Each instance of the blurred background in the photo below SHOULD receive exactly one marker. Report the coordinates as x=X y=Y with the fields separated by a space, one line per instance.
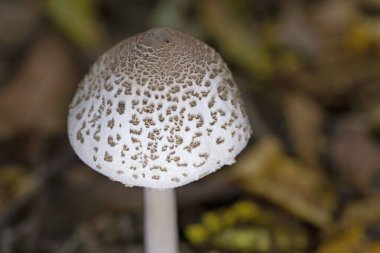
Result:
x=309 y=180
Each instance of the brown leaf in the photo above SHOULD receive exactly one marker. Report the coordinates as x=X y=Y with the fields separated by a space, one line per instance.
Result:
x=357 y=231
x=38 y=95
x=357 y=155
x=265 y=170
x=366 y=211
x=352 y=240
x=304 y=120
x=235 y=37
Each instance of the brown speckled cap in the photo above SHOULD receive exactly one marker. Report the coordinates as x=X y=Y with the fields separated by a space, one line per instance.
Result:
x=158 y=110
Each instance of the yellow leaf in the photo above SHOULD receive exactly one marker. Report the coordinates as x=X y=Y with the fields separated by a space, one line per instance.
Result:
x=77 y=20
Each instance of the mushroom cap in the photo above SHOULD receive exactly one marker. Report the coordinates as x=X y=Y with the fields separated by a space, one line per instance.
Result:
x=158 y=110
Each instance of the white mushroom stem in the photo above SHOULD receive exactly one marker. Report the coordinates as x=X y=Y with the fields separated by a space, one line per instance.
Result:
x=161 y=234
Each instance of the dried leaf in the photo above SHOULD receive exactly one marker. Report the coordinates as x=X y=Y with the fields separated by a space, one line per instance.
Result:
x=297 y=32
x=366 y=211
x=78 y=20
x=173 y=13
x=235 y=37
x=352 y=240
x=18 y=19
x=344 y=71
x=38 y=95
x=357 y=155
x=372 y=115
x=265 y=170
x=304 y=120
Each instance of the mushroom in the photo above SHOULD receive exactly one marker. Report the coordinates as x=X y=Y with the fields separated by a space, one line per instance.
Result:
x=158 y=110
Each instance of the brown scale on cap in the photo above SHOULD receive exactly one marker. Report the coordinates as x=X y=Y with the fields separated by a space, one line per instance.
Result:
x=170 y=99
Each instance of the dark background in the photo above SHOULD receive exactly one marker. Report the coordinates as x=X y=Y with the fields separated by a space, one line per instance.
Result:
x=309 y=180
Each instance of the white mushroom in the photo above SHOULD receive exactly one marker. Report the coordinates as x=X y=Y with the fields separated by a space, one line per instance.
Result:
x=158 y=110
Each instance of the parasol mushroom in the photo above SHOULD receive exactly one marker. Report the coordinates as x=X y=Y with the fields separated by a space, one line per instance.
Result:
x=158 y=110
